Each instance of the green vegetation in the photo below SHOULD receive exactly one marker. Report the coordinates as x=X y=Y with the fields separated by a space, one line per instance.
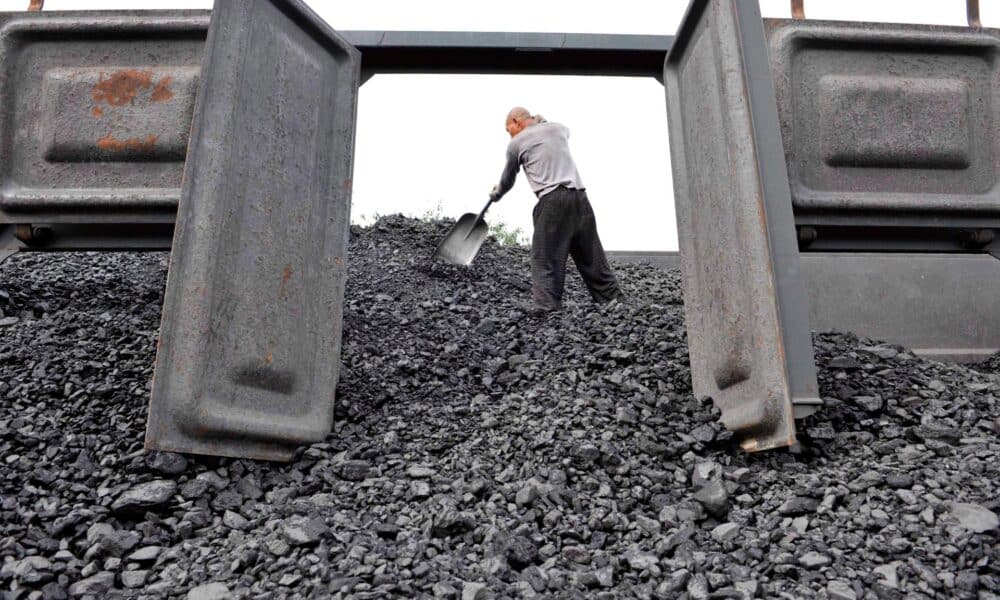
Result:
x=508 y=236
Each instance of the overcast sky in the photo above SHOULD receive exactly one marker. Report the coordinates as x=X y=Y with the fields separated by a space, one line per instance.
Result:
x=426 y=142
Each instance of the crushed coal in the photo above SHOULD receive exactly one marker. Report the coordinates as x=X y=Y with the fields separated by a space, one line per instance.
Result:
x=480 y=451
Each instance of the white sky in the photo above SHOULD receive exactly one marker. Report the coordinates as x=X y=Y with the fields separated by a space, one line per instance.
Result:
x=428 y=141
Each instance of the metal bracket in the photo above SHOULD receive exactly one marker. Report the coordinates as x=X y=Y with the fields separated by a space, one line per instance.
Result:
x=978 y=238
x=9 y=244
x=798 y=9
x=971 y=12
x=32 y=235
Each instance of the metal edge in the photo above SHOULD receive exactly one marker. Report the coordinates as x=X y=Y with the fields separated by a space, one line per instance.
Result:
x=9 y=244
x=300 y=12
x=909 y=33
x=689 y=22
x=793 y=303
x=508 y=39
x=159 y=421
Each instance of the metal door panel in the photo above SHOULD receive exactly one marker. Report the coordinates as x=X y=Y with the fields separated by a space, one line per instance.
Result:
x=95 y=110
x=745 y=303
x=250 y=338
x=888 y=124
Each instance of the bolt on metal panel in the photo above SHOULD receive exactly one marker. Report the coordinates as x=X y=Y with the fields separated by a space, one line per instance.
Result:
x=745 y=302
x=888 y=124
x=96 y=111
x=250 y=338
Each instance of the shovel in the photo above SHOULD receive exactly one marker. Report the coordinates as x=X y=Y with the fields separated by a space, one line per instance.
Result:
x=462 y=243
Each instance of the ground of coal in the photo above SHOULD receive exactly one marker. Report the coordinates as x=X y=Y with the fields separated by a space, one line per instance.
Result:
x=481 y=452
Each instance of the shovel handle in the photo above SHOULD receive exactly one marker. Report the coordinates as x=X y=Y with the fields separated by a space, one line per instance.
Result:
x=483 y=213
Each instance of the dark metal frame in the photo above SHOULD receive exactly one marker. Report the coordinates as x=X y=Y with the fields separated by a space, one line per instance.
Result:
x=149 y=226
x=401 y=52
x=427 y=52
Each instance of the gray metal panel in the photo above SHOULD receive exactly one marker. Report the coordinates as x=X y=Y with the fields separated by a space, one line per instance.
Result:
x=745 y=303
x=97 y=105
x=96 y=110
x=889 y=124
x=250 y=338
x=896 y=297
x=943 y=306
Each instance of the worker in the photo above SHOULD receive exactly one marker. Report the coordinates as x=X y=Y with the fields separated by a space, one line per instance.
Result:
x=563 y=218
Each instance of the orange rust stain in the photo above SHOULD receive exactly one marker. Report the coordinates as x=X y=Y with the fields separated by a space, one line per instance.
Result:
x=347 y=184
x=286 y=274
x=269 y=358
x=114 y=144
x=121 y=87
x=98 y=112
x=162 y=93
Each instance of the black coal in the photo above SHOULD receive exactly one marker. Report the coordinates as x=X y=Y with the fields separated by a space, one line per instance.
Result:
x=480 y=451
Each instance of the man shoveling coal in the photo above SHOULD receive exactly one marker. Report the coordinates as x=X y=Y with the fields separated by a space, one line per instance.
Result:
x=564 y=223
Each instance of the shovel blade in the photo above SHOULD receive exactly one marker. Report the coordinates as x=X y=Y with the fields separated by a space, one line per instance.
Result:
x=462 y=243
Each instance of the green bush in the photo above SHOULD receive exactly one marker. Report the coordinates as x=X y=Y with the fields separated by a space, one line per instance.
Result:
x=508 y=236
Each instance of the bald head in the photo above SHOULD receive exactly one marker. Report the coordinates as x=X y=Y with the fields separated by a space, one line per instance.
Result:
x=518 y=112
x=518 y=119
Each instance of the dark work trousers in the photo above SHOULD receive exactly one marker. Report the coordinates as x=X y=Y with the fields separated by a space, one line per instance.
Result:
x=564 y=225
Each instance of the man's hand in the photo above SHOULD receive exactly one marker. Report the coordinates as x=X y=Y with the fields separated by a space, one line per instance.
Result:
x=495 y=193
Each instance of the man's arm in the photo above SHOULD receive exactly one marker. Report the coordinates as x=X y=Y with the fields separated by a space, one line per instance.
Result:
x=508 y=176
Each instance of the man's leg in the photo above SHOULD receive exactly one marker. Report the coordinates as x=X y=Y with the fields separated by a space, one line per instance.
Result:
x=549 y=249
x=588 y=254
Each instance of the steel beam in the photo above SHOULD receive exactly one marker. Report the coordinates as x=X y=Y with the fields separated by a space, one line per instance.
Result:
x=510 y=53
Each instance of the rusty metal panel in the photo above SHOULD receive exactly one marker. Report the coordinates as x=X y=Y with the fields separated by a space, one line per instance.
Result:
x=250 y=338
x=97 y=105
x=889 y=124
x=96 y=110
x=745 y=302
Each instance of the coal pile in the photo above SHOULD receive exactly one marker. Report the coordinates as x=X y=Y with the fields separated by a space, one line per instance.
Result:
x=482 y=452
x=990 y=365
